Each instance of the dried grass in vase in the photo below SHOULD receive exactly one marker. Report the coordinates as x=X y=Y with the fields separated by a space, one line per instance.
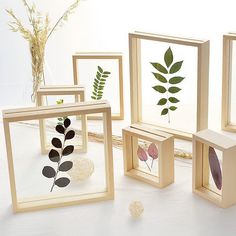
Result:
x=37 y=37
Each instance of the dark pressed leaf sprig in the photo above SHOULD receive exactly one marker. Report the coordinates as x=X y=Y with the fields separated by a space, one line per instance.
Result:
x=56 y=155
x=99 y=83
x=167 y=79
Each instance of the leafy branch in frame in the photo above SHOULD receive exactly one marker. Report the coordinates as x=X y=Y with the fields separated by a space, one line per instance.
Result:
x=152 y=152
x=167 y=82
x=56 y=155
x=215 y=167
x=99 y=83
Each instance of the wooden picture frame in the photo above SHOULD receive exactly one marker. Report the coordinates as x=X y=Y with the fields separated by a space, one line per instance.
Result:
x=59 y=200
x=202 y=141
x=202 y=47
x=226 y=123
x=102 y=56
x=79 y=93
x=165 y=144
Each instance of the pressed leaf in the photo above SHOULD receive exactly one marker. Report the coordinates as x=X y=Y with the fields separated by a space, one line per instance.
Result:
x=67 y=150
x=65 y=166
x=56 y=142
x=215 y=168
x=60 y=129
x=168 y=57
x=159 y=67
x=162 y=101
x=54 y=155
x=152 y=151
x=164 y=111
x=104 y=76
x=142 y=155
x=172 y=108
x=160 y=77
x=176 y=80
x=173 y=100
x=176 y=67
x=100 y=69
x=159 y=88
x=93 y=97
x=67 y=122
x=70 y=134
x=106 y=73
x=49 y=172
x=62 y=182
x=174 y=89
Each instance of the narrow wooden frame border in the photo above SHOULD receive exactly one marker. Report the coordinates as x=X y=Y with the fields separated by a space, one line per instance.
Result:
x=165 y=155
x=102 y=55
x=226 y=82
x=79 y=93
x=202 y=83
x=228 y=147
x=84 y=108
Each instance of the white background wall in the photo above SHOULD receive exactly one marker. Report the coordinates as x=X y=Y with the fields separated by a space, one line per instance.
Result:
x=103 y=25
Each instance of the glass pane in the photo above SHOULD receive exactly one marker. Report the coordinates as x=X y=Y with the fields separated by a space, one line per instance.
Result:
x=169 y=85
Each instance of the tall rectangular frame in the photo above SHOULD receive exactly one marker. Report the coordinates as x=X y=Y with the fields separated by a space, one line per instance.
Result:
x=102 y=55
x=15 y=115
x=202 y=83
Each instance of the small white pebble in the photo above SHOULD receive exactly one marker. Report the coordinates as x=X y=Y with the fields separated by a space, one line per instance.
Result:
x=136 y=209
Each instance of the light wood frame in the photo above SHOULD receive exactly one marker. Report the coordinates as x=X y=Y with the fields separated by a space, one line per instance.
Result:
x=202 y=81
x=165 y=159
x=105 y=56
x=15 y=115
x=226 y=82
x=201 y=142
x=79 y=93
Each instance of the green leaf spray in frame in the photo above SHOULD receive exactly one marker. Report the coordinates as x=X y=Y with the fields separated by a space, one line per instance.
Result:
x=167 y=81
x=99 y=83
x=56 y=156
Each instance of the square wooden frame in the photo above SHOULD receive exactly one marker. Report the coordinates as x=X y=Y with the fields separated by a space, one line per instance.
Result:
x=58 y=200
x=79 y=93
x=226 y=82
x=202 y=83
x=201 y=141
x=165 y=155
x=102 y=55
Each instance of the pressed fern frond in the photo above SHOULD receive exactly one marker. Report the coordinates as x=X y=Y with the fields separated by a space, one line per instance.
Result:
x=99 y=83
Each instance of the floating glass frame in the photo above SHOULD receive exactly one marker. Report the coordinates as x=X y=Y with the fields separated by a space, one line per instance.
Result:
x=169 y=83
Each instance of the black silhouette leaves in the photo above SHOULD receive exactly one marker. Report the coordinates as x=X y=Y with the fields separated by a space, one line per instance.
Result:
x=99 y=83
x=56 y=155
x=166 y=82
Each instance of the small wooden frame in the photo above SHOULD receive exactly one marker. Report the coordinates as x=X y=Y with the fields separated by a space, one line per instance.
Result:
x=201 y=143
x=79 y=93
x=202 y=47
x=165 y=143
x=59 y=200
x=226 y=122
x=101 y=56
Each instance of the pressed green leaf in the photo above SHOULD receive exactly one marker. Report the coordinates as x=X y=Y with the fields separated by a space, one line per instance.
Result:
x=99 y=97
x=100 y=92
x=162 y=101
x=164 y=111
x=168 y=57
x=174 y=89
x=93 y=97
x=172 y=108
x=101 y=87
x=159 y=67
x=176 y=67
x=95 y=94
x=103 y=80
x=104 y=76
x=159 y=88
x=95 y=80
x=99 y=75
x=102 y=83
x=173 y=100
x=95 y=84
x=160 y=77
x=176 y=80
x=106 y=73
x=100 y=69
